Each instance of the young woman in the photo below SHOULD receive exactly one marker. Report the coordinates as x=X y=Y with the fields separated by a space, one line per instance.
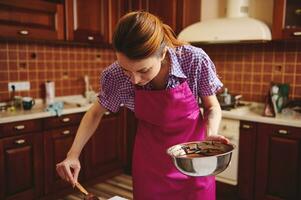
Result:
x=160 y=79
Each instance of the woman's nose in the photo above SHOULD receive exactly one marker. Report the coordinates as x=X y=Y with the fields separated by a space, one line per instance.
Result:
x=135 y=79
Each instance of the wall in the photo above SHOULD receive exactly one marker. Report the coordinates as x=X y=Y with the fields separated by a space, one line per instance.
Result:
x=246 y=69
x=64 y=64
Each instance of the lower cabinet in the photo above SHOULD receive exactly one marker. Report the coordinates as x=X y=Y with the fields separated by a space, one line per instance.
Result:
x=106 y=149
x=269 y=162
x=21 y=166
x=278 y=163
x=56 y=145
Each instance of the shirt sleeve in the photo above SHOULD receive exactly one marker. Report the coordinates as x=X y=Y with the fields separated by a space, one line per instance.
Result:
x=208 y=81
x=109 y=96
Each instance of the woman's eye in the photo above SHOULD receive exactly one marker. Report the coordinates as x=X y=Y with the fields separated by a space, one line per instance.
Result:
x=145 y=70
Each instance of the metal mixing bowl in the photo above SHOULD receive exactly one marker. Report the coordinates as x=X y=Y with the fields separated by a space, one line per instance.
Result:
x=201 y=158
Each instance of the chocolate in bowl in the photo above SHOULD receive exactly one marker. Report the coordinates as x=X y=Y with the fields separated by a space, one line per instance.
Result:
x=201 y=158
x=91 y=197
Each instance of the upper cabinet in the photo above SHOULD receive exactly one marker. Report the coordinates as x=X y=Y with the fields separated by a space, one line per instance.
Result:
x=36 y=19
x=287 y=19
x=176 y=13
x=94 y=20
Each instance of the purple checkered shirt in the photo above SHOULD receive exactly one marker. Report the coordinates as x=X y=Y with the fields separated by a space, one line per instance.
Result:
x=187 y=63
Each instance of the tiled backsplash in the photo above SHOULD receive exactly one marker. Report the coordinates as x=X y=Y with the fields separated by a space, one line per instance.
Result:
x=245 y=69
x=64 y=64
x=248 y=69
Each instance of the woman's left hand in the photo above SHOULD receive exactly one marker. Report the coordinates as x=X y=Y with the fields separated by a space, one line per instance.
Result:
x=220 y=138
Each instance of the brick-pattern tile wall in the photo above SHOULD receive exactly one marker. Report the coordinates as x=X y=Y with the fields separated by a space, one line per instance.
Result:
x=248 y=69
x=64 y=64
x=245 y=69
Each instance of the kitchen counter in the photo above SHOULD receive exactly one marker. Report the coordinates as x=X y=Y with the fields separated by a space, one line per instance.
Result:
x=253 y=112
x=39 y=109
x=76 y=103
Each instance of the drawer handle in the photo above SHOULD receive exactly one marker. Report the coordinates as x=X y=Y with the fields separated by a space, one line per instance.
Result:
x=19 y=127
x=246 y=126
x=282 y=132
x=66 y=132
x=20 y=141
x=24 y=32
x=91 y=38
x=298 y=33
x=107 y=113
x=67 y=119
x=298 y=11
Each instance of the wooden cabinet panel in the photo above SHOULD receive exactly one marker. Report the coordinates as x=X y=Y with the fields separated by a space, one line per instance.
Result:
x=35 y=19
x=286 y=19
x=176 y=13
x=21 y=127
x=21 y=167
x=94 y=21
x=57 y=143
x=64 y=120
x=105 y=151
x=247 y=160
x=278 y=162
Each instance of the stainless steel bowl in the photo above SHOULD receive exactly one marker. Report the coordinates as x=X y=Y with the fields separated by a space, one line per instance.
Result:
x=201 y=158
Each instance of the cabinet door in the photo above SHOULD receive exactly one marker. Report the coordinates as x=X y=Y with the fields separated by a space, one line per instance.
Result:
x=105 y=152
x=246 y=165
x=57 y=143
x=21 y=163
x=93 y=21
x=287 y=19
x=176 y=13
x=35 y=19
x=278 y=162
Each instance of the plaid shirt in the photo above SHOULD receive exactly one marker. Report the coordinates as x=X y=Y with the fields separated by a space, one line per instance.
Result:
x=188 y=63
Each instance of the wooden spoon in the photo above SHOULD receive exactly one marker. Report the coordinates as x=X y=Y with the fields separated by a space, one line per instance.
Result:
x=81 y=188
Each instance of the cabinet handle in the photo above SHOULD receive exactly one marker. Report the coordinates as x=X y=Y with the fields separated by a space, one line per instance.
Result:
x=298 y=11
x=107 y=113
x=297 y=33
x=23 y=32
x=91 y=38
x=246 y=126
x=282 y=132
x=19 y=127
x=66 y=132
x=66 y=119
x=20 y=141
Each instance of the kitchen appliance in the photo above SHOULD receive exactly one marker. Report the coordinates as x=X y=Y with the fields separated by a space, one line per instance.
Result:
x=228 y=101
x=235 y=27
x=230 y=129
x=201 y=158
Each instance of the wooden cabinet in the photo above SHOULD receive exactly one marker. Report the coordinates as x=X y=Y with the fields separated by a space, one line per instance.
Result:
x=105 y=151
x=286 y=19
x=176 y=13
x=21 y=165
x=247 y=160
x=269 y=162
x=34 y=20
x=93 y=21
x=278 y=162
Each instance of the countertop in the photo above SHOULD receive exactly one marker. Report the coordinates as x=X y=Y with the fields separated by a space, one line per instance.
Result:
x=76 y=103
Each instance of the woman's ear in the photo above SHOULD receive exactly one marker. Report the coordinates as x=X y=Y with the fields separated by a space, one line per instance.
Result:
x=163 y=54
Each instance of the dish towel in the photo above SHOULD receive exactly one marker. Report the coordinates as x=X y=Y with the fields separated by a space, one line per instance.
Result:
x=56 y=108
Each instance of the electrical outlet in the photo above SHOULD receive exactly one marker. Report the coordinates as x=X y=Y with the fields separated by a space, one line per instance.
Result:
x=19 y=86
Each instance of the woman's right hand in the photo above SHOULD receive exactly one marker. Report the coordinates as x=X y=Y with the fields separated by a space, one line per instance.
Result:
x=69 y=169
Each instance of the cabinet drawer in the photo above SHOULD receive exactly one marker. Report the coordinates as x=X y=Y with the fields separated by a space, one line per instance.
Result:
x=20 y=127
x=65 y=120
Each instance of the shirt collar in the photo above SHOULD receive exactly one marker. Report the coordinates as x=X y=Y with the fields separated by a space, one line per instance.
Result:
x=175 y=68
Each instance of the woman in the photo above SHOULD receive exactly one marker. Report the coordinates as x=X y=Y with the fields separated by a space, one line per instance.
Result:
x=160 y=79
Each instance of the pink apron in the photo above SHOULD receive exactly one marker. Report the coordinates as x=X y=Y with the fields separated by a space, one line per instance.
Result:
x=167 y=117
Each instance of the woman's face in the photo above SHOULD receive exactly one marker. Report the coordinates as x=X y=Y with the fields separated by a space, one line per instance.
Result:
x=140 y=71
